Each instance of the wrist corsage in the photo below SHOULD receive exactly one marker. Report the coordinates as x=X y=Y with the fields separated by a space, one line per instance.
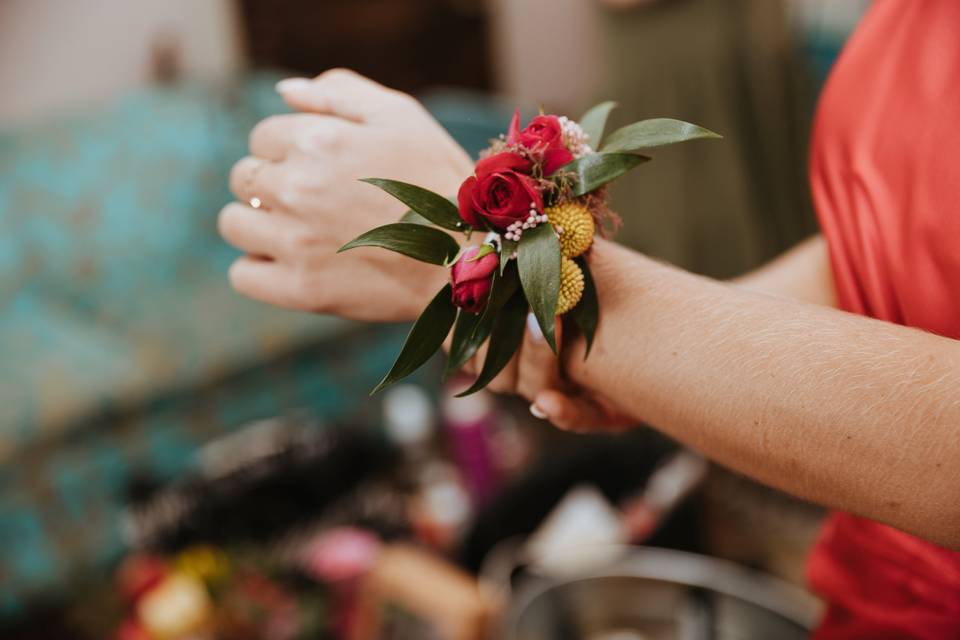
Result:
x=538 y=194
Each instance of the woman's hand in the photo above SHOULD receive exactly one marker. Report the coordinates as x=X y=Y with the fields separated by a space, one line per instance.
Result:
x=304 y=170
x=536 y=374
x=303 y=173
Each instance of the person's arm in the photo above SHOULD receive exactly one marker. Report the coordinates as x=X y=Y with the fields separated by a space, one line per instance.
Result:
x=300 y=198
x=802 y=273
x=846 y=411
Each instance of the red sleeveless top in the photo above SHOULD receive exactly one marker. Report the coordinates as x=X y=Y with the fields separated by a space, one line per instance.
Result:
x=885 y=177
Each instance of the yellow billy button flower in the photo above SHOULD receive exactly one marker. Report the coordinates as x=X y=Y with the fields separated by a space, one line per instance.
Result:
x=574 y=225
x=204 y=563
x=571 y=285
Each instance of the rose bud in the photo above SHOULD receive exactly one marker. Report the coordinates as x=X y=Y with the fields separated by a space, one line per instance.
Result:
x=472 y=278
x=544 y=138
x=500 y=193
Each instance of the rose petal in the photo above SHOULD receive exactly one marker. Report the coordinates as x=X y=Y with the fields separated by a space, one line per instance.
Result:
x=498 y=193
x=543 y=133
x=553 y=159
x=505 y=161
x=513 y=131
x=515 y=194
x=468 y=268
x=472 y=295
x=465 y=202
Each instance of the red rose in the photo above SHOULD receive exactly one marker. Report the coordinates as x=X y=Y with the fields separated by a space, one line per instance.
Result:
x=505 y=161
x=543 y=132
x=544 y=138
x=472 y=278
x=500 y=193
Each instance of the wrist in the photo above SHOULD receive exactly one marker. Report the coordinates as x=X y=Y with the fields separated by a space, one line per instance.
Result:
x=619 y=275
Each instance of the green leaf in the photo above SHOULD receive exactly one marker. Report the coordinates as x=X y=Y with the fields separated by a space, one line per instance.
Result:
x=434 y=207
x=594 y=121
x=460 y=344
x=597 y=169
x=426 y=336
x=538 y=259
x=504 y=286
x=484 y=250
x=413 y=217
x=501 y=291
x=657 y=132
x=424 y=243
x=587 y=312
x=507 y=247
x=505 y=339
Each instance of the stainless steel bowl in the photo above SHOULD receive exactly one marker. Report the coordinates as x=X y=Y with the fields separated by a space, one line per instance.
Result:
x=659 y=594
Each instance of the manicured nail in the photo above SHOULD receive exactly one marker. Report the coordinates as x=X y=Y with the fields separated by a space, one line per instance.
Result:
x=534 y=327
x=537 y=412
x=292 y=84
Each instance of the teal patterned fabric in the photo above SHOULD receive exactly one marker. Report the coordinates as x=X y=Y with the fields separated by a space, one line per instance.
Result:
x=112 y=277
x=122 y=348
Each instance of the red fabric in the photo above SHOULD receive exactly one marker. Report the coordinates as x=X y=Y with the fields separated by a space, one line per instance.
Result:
x=885 y=177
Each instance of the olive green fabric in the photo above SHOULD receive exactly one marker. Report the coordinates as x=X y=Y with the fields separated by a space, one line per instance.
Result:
x=715 y=207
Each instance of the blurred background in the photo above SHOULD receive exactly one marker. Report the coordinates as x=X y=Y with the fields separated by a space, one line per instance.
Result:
x=179 y=462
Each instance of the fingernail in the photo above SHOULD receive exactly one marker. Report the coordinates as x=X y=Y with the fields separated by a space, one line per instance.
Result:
x=291 y=84
x=534 y=327
x=537 y=412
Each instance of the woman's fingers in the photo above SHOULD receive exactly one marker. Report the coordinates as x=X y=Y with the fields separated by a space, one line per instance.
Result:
x=338 y=92
x=538 y=366
x=265 y=280
x=255 y=182
x=262 y=233
x=567 y=412
x=277 y=137
x=576 y=412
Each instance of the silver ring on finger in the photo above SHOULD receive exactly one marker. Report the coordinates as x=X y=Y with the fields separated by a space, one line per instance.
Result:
x=255 y=202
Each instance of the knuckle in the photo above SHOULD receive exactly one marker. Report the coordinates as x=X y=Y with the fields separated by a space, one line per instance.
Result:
x=405 y=100
x=289 y=199
x=322 y=138
x=265 y=126
x=240 y=176
x=337 y=74
x=236 y=173
x=286 y=190
x=295 y=190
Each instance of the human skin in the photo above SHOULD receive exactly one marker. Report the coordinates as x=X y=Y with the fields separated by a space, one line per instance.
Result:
x=759 y=374
x=305 y=168
x=846 y=411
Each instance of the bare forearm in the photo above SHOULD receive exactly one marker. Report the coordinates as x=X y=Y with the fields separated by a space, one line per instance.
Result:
x=843 y=410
